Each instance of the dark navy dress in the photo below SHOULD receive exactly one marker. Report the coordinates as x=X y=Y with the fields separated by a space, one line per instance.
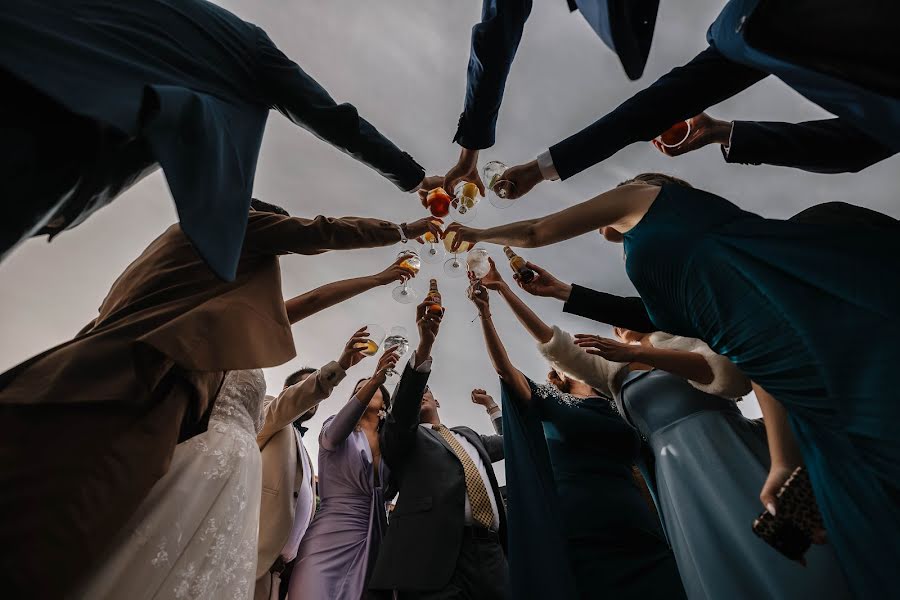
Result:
x=578 y=524
x=812 y=314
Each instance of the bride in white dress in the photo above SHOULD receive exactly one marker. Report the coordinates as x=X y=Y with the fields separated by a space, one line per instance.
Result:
x=195 y=535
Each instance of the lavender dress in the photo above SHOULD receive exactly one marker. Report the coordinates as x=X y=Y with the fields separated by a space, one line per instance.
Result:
x=337 y=552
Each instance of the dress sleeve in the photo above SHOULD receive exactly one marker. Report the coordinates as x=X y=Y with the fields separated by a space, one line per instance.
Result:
x=618 y=311
x=338 y=428
x=292 y=92
x=575 y=362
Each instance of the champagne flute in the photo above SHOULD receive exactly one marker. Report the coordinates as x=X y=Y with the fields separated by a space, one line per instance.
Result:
x=463 y=206
x=500 y=188
x=403 y=293
x=454 y=267
x=396 y=340
x=433 y=253
x=373 y=342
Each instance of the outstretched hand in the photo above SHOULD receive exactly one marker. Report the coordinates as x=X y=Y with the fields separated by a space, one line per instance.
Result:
x=482 y=398
x=466 y=169
x=544 y=284
x=386 y=363
x=523 y=179
x=417 y=229
x=493 y=280
x=461 y=233
x=352 y=354
x=704 y=131
x=428 y=183
x=428 y=321
x=394 y=273
x=607 y=348
x=478 y=294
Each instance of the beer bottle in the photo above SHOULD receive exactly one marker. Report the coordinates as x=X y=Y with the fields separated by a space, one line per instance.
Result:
x=434 y=296
x=517 y=263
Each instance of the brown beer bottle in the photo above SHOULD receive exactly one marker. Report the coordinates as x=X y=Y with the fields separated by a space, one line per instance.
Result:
x=434 y=296
x=517 y=263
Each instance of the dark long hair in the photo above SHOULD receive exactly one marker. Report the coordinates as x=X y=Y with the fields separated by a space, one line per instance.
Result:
x=385 y=394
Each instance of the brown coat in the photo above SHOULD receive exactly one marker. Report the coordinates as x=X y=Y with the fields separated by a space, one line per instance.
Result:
x=87 y=427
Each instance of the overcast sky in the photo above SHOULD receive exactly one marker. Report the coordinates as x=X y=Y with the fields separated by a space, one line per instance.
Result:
x=403 y=64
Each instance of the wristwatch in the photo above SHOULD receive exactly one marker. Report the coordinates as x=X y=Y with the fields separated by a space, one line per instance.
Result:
x=402 y=228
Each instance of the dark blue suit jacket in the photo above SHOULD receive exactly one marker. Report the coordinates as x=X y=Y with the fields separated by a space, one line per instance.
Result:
x=625 y=26
x=826 y=146
x=195 y=83
x=724 y=69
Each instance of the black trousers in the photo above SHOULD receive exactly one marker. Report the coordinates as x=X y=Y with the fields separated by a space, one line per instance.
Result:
x=481 y=571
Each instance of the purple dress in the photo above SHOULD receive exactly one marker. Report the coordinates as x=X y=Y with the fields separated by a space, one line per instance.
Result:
x=336 y=554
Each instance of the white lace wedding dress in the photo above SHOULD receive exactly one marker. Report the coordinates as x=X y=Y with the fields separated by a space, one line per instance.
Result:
x=195 y=535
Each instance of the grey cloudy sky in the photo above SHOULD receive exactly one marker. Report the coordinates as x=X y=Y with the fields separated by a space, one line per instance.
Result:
x=403 y=64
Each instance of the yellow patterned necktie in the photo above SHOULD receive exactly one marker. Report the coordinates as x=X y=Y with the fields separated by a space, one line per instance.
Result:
x=482 y=513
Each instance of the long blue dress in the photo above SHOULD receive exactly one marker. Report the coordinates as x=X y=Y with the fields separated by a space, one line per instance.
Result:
x=710 y=463
x=578 y=524
x=812 y=314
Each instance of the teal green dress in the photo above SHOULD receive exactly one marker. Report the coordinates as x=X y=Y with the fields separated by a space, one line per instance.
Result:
x=812 y=314
x=578 y=526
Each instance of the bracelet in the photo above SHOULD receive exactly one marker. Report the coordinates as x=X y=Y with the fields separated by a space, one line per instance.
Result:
x=402 y=229
x=493 y=409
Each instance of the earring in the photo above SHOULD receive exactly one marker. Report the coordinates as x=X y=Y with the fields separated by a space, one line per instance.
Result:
x=382 y=414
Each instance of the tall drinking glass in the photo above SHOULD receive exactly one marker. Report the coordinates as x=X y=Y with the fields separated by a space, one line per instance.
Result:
x=397 y=339
x=374 y=340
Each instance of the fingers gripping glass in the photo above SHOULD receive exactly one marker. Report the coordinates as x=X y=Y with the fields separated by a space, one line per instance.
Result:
x=501 y=189
x=403 y=293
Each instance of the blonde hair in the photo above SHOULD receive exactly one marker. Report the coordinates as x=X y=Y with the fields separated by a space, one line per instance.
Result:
x=656 y=179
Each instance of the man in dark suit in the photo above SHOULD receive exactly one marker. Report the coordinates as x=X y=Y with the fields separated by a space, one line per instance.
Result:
x=823 y=50
x=625 y=26
x=824 y=146
x=99 y=93
x=447 y=534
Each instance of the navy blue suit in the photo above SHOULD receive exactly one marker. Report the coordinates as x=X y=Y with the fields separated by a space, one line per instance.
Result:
x=192 y=84
x=825 y=146
x=625 y=26
x=730 y=65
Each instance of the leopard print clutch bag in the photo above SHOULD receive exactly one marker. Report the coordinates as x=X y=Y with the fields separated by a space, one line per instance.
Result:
x=798 y=520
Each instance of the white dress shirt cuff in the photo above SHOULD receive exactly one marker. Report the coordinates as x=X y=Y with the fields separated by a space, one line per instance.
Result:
x=425 y=367
x=726 y=148
x=545 y=164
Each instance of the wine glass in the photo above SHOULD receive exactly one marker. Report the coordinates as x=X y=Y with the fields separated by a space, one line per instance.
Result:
x=454 y=267
x=433 y=252
x=463 y=207
x=375 y=337
x=397 y=339
x=477 y=262
x=500 y=188
x=675 y=135
x=403 y=293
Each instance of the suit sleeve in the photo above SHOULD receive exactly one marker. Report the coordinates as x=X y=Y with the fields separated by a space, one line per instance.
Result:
x=682 y=93
x=618 y=311
x=294 y=401
x=494 y=43
x=299 y=97
x=269 y=233
x=399 y=430
x=825 y=146
x=493 y=444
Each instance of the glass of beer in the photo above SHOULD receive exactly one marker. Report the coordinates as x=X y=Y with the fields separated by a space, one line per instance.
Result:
x=403 y=293
x=373 y=342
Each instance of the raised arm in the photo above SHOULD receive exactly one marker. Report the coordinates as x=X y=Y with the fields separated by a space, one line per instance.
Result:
x=539 y=330
x=299 y=97
x=304 y=305
x=621 y=207
x=496 y=351
x=399 y=431
x=482 y=398
x=269 y=233
x=336 y=431
x=824 y=146
x=297 y=399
